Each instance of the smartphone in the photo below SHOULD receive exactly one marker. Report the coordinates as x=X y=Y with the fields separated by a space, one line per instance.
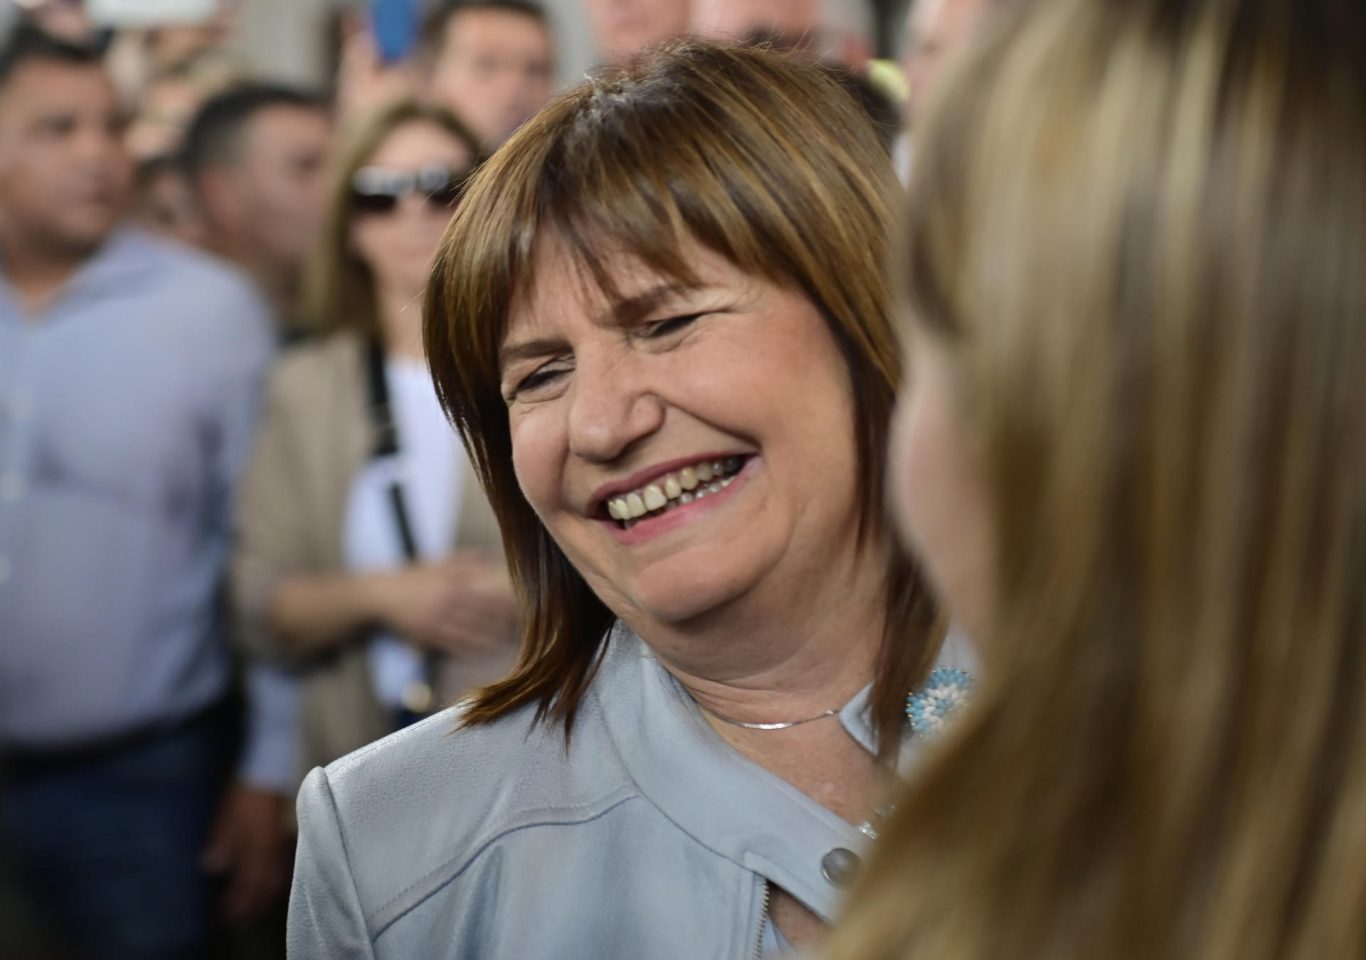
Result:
x=395 y=24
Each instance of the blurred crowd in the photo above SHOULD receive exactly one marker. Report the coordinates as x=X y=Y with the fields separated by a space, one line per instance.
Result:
x=222 y=459
x=578 y=478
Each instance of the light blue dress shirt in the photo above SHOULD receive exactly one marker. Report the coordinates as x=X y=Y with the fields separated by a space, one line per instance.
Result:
x=126 y=409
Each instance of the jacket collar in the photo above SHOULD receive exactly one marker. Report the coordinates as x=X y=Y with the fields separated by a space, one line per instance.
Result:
x=723 y=800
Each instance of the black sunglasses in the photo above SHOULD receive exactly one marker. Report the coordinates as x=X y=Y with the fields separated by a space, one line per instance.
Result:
x=379 y=189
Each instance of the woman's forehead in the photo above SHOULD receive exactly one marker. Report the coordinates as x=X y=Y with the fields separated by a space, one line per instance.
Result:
x=616 y=280
x=420 y=137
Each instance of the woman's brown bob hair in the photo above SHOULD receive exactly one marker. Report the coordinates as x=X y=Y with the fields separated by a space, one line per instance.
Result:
x=760 y=158
x=339 y=292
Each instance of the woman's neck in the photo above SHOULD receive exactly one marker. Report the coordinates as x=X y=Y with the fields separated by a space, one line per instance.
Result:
x=788 y=653
x=400 y=317
x=778 y=655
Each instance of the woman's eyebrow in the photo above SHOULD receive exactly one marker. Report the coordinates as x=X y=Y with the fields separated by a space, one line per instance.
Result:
x=624 y=312
x=527 y=349
x=632 y=309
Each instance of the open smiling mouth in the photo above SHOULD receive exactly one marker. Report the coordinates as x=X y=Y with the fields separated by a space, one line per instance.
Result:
x=673 y=490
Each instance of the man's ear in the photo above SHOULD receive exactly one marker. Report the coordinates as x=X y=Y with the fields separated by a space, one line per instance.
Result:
x=220 y=198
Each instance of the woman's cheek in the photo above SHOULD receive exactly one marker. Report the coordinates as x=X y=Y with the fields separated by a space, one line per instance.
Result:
x=936 y=491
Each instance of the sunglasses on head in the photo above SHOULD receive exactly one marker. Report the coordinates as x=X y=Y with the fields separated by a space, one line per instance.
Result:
x=379 y=189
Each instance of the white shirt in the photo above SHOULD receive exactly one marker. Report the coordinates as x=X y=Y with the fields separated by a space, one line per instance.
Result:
x=428 y=469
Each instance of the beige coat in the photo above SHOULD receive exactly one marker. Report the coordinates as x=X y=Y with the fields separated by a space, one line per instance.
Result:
x=315 y=435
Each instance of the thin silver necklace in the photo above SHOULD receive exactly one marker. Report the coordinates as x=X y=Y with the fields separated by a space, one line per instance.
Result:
x=870 y=828
x=782 y=725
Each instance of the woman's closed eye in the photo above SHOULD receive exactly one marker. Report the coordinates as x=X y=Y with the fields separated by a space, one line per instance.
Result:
x=539 y=381
x=669 y=326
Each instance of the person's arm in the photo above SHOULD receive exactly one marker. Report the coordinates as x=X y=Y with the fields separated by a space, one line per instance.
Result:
x=452 y=605
x=326 y=920
x=287 y=608
x=249 y=841
x=272 y=542
x=270 y=752
x=248 y=844
x=312 y=612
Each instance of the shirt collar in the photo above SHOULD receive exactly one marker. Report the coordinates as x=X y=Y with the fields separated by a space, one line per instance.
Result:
x=120 y=263
x=723 y=800
x=125 y=258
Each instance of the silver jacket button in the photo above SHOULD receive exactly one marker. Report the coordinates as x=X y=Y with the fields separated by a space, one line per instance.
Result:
x=839 y=866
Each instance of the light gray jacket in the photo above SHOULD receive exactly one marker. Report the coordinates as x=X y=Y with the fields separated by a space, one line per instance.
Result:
x=649 y=838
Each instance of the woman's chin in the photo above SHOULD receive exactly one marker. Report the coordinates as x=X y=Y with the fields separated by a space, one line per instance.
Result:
x=681 y=599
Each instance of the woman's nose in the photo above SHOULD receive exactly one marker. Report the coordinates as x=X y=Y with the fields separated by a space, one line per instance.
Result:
x=612 y=406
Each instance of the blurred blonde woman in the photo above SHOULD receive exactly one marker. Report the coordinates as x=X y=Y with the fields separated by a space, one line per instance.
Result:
x=1133 y=457
x=367 y=552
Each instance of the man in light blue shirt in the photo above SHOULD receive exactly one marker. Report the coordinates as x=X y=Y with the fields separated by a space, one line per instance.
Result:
x=128 y=379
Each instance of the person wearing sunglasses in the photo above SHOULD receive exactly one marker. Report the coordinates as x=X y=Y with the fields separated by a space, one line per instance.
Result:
x=382 y=189
x=366 y=553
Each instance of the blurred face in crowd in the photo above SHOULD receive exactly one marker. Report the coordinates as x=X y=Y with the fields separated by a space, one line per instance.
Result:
x=64 y=175
x=493 y=69
x=62 y=18
x=274 y=196
x=737 y=19
x=631 y=403
x=935 y=30
x=625 y=27
x=396 y=232
x=936 y=486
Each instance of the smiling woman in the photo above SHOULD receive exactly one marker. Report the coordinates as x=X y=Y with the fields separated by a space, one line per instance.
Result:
x=731 y=391
x=660 y=321
x=692 y=189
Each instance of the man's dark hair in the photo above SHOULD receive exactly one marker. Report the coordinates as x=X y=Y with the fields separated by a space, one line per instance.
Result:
x=434 y=27
x=215 y=134
x=27 y=43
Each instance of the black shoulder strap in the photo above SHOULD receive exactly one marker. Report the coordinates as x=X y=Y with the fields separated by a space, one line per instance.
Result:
x=381 y=413
x=386 y=439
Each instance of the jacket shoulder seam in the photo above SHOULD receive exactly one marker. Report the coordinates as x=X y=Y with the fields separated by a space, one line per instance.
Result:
x=426 y=886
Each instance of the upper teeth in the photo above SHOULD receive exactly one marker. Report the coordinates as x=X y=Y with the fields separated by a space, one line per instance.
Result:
x=685 y=486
